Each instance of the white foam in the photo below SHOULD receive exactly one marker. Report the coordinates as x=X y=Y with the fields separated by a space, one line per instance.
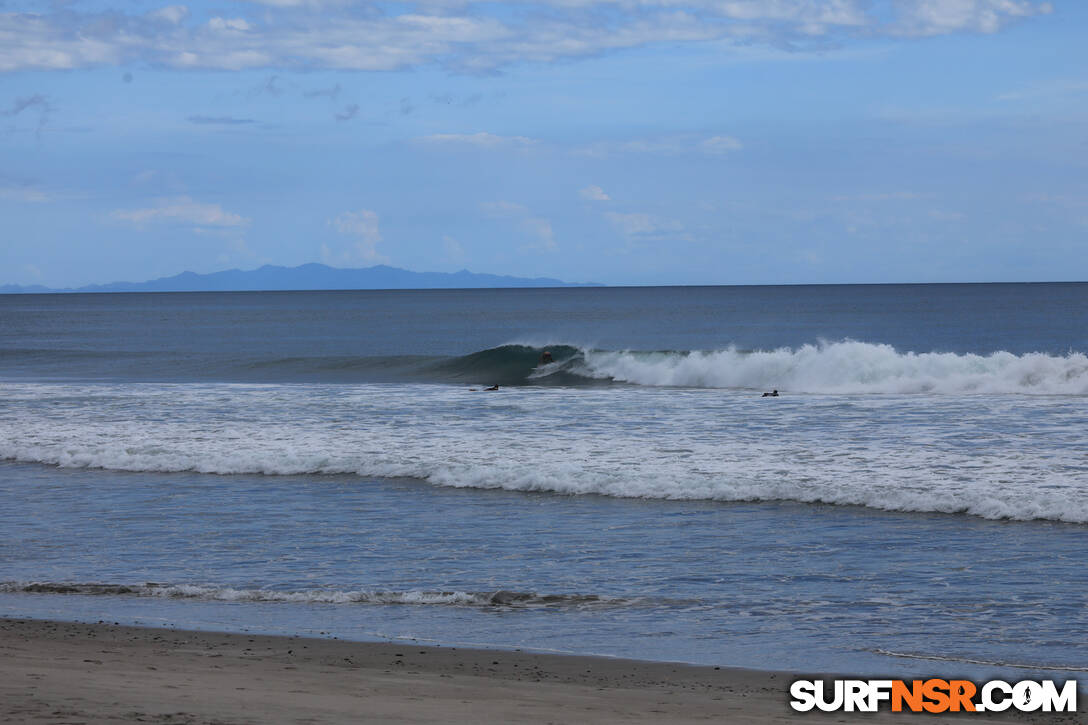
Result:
x=1018 y=457
x=847 y=367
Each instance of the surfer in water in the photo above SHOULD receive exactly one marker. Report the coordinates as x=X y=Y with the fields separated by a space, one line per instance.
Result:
x=545 y=358
x=772 y=394
x=493 y=387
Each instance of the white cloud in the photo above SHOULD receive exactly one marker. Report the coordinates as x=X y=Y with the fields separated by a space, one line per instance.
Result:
x=664 y=146
x=646 y=226
x=541 y=230
x=1051 y=89
x=1070 y=201
x=479 y=140
x=23 y=193
x=236 y=252
x=172 y=14
x=29 y=42
x=182 y=210
x=882 y=196
x=297 y=3
x=363 y=226
x=228 y=24
x=721 y=145
x=537 y=228
x=453 y=249
x=456 y=35
x=362 y=223
x=594 y=193
x=503 y=209
x=942 y=17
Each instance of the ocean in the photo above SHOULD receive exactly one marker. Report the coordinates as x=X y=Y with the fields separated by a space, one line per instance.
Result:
x=914 y=502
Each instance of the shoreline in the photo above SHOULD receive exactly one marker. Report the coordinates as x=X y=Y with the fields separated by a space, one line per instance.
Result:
x=73 y=672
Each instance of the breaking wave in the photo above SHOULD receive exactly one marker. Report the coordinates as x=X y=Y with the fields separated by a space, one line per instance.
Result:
x=845 y=366
x=500 y=599
x=836 y=367
x=828 y=367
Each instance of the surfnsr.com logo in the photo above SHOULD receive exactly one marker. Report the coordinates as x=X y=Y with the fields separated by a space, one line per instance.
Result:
x=933 y=695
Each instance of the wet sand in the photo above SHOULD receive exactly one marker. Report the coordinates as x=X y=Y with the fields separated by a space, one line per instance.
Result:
x=62 y=672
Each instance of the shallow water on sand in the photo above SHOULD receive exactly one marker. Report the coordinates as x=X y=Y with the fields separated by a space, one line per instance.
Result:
x=767 y=585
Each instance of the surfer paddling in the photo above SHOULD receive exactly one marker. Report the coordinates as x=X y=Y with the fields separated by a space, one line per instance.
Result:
x=772 y=394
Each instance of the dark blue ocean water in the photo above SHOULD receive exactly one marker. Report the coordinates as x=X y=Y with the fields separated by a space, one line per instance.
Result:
x=371 y=336
x=915 y=501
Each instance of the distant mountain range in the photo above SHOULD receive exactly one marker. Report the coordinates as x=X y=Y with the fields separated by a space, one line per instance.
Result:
x=310 y=277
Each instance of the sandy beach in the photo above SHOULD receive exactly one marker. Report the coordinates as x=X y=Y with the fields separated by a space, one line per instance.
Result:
x=61 y=672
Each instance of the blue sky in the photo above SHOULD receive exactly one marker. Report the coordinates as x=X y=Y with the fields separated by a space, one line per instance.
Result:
x=619 y=141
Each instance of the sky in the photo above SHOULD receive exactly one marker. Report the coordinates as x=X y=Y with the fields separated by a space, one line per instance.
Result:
x=615 y=141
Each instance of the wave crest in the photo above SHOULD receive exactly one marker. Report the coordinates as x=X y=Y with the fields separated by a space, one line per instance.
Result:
x=837 y=367
x=840 y=367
